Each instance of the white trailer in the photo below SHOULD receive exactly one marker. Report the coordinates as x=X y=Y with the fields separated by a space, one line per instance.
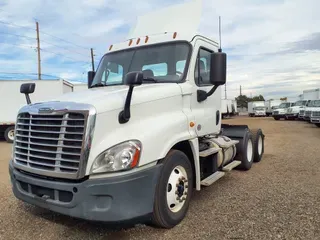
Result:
x=226 y=108
x=271 y=105
x=11 y=100
x=312 y=94
x=257 y=109
x=235 y=107
x=140 y=143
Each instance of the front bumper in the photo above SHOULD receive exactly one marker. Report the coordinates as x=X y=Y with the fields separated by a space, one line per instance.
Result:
x=291 y=115
x=278 y=115
x=306 y=118
x=315 y=120
x=111 y=199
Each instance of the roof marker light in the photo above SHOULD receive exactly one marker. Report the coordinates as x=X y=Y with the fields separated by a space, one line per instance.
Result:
x=174 y=35
x=138 y=41
x=130 y=42
x=147 y=39
x=110 y=47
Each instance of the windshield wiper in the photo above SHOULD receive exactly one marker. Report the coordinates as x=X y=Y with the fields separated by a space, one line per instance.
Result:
x=150 y=79
x=98 y=85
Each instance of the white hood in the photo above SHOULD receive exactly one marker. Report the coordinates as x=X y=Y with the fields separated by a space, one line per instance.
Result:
x=110 y=98
x=313 y=109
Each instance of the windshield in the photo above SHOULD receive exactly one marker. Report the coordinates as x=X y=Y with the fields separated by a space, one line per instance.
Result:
x=300 y=103
x=284 y=105
x=316 y=103
x=160 y=63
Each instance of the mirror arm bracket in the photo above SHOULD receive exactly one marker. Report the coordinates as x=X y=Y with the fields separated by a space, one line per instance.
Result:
x=125 y=114
x=203 y=95
x=28 y=98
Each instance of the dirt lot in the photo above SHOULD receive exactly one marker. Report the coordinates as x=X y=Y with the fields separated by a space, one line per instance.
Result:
x=279 y=198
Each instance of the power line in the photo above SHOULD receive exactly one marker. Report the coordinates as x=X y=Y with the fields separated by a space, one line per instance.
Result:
x=64 y=48
x=63 y=55
x=17 y=35
x=13 y=24
x=63 y=40
x=19 y=45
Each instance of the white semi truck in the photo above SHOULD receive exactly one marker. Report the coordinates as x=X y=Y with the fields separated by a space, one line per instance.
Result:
x=294 y=111
x=257 y=109
x=281 y=111
x=315 y=113
x=272 y=105
x=139 y=141
x=12 y=100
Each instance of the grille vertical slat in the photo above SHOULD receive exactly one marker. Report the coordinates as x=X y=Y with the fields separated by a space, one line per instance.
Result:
x=50 y=142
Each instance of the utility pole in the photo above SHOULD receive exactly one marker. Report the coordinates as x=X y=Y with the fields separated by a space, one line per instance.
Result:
x=92 y=59
x=38 y=49
x=240 y=91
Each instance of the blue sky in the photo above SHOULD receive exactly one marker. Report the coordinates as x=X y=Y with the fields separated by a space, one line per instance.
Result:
x=273 y=46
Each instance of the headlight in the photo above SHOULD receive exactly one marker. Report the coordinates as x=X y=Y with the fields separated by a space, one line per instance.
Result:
x=120 y=157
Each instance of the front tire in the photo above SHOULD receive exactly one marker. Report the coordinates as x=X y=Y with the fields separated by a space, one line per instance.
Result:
x=318 y=125
x=276 y=118
x=174 y=190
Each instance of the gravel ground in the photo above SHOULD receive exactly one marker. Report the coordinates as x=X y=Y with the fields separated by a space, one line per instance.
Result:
x=279 y=198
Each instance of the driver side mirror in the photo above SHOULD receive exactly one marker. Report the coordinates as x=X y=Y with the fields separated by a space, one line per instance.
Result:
x=26 y=89
x=218 y=68
x=91 y=75
x=133 y=78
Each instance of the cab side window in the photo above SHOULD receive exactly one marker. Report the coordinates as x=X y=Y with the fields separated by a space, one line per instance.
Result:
x=202 y=70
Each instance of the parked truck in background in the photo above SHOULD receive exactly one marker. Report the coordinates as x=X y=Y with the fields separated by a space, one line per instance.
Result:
x=139 y=141
x=294 y=110
x=315 y=113
x=257 y=109
x=9 y=90
x=234 y=108
x=281 y=111
x=312 y=106
x=312 y=94
x=272 y=105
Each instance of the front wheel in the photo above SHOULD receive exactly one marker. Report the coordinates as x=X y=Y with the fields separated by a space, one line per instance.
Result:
x=174 y=190
x=318 y=125
x=276 y=118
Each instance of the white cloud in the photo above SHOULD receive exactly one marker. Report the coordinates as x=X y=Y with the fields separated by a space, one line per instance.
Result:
x=259 y=36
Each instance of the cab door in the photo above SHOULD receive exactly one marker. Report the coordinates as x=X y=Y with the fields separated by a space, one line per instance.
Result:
x=206 y=113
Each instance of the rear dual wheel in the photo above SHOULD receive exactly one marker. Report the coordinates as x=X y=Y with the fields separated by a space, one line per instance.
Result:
x=258 y=144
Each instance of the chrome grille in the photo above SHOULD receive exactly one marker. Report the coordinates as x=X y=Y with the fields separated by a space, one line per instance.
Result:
x=308 y=113
x=50 y=142
x=316 y=114
x=54 y=139
x=302 y=112
x=276 y=112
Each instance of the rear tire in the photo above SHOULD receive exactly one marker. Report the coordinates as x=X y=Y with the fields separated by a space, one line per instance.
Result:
x=258 y=144
x=9 y=134
x=245 y=151
x=175 y=182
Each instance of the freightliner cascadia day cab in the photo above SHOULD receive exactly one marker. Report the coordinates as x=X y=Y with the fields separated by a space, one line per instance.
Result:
x=139 y=141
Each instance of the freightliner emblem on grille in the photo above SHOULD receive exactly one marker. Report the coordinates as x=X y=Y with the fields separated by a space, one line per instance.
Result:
x=46 y=110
